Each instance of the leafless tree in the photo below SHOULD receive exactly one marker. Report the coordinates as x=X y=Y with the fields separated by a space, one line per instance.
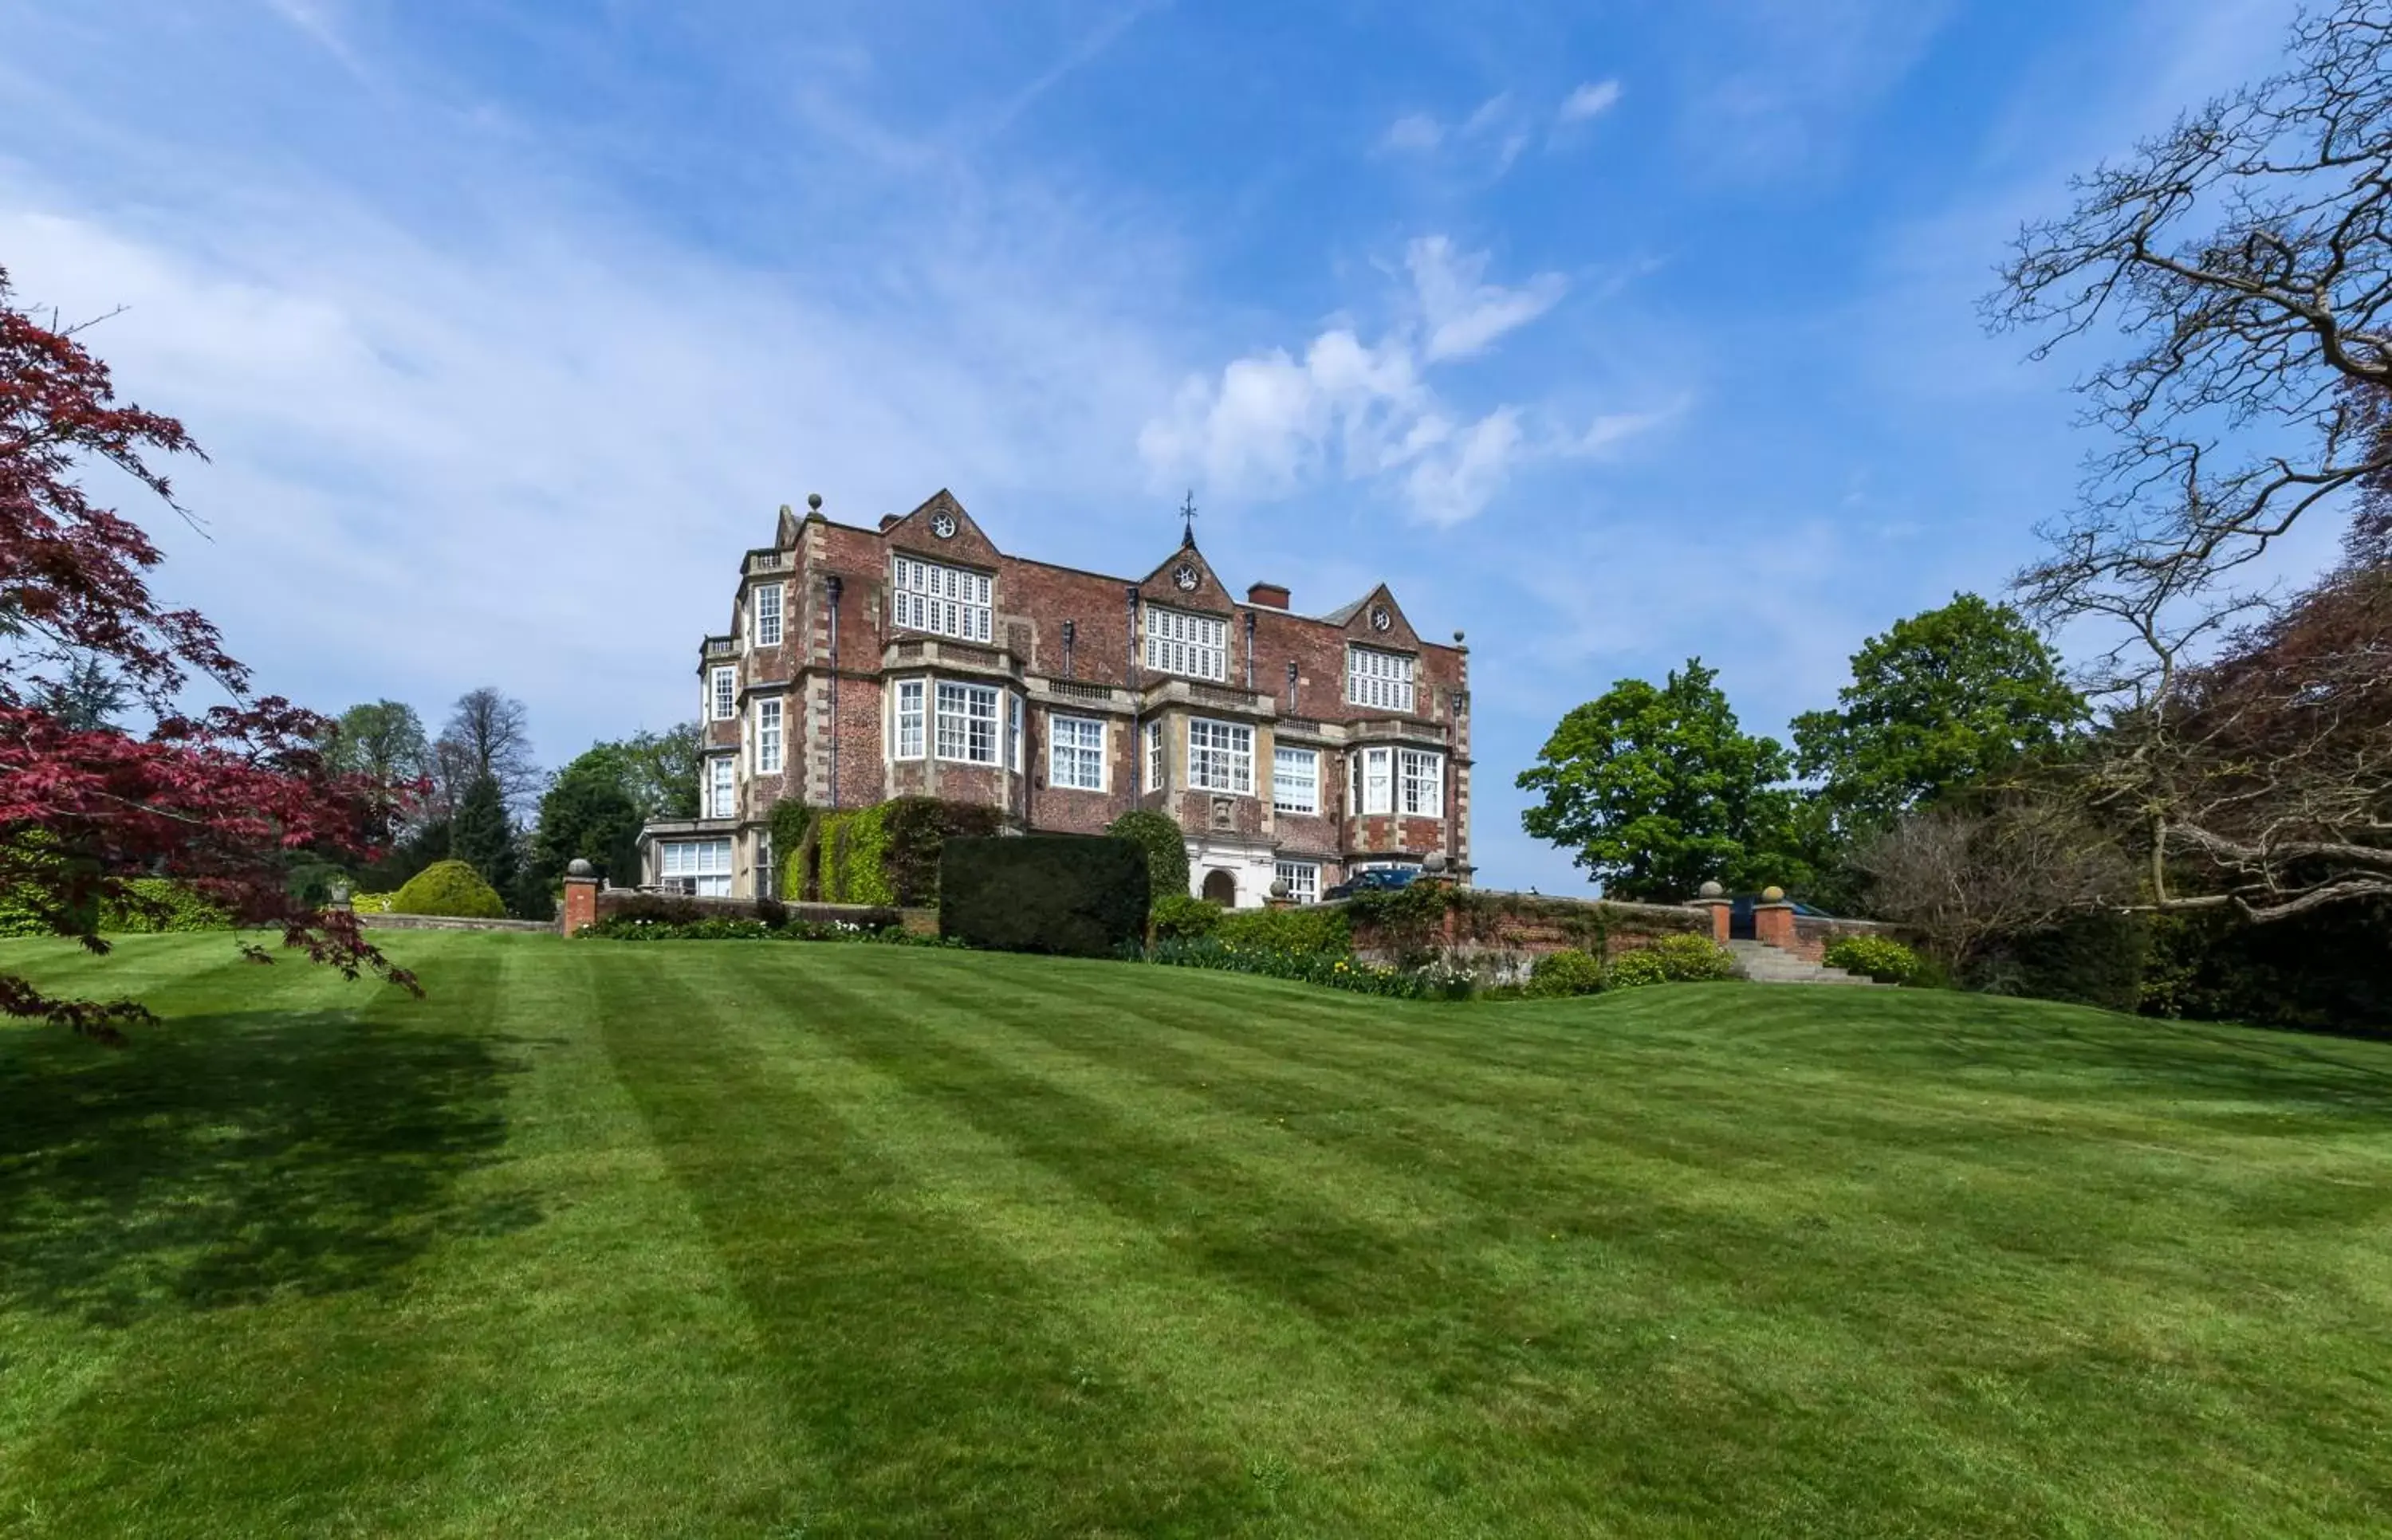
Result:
x=489 y=733
x=1963 y=877
x=2247 y=254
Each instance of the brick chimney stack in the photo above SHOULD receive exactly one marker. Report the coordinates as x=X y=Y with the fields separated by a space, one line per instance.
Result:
x=1271 y=596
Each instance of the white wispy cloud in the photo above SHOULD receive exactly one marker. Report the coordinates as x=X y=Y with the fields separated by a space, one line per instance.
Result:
x=1272 y=421
x=1590 y=100
x=1461 y=315
x=1414 y=132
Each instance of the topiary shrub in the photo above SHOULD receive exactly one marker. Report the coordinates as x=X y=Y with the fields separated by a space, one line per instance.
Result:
x=450 y=889
x=1566 y=972
x=1165 y=847
x=1066 y=894
x=1325 y=931
x=1880 y=957
x=1178 y=917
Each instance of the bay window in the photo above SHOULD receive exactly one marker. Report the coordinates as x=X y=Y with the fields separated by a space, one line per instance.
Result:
x=1370 y=777
x=768 y=737
x=768 y=615
x=1422 y=782
x=909 y=720
x=699 y=867
x=1220 y=756
x=722 y=693
x=719 y=791
x=967 y=723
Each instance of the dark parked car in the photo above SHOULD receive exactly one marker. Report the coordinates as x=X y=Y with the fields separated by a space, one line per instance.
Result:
x=1376 y=879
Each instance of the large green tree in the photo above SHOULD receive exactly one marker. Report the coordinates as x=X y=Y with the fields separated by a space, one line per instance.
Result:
x=1940 y=700
x=483 y=837
x=661 y=770
x=589 y=813
x=1656 y=790
x=383 y=742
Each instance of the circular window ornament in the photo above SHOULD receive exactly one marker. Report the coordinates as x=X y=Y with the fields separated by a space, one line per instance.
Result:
x=1380 y=619
x=1187 y=578
x=943 y=525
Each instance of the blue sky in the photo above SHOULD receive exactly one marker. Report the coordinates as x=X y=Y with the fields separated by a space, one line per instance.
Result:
x=1608 y=334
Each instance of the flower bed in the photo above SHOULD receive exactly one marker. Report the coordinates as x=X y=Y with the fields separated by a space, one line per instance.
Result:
x=1436 y=980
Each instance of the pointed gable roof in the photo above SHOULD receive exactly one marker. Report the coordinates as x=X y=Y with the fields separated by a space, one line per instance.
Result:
x=1360 y=621
x=942 y=531
x=1164 y=584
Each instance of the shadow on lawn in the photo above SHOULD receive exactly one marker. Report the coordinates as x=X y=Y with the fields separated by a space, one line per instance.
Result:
x=224 y=1158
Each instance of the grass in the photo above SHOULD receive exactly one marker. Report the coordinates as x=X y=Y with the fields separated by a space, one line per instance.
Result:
x=607 y=1239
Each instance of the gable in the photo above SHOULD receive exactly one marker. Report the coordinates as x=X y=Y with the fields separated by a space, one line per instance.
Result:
x=1163 y=586
x=940 y=531
x=1376 y=620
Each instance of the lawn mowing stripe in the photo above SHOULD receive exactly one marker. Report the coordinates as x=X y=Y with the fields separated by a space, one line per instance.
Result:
x=1288 y=1391
x=917 y=1355
x=1502 y=1363
x=244 y=1169
x=994 y=1010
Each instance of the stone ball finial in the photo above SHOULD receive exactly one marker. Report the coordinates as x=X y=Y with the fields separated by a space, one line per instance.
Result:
x=576 y=867
x=1433 y=861
x=1278 y=888
x=814 y=501
x=1710 y=890
x=1457 y=638
x=1772 y=894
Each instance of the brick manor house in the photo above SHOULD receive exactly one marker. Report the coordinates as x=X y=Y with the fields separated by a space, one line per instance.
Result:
x=917 y=659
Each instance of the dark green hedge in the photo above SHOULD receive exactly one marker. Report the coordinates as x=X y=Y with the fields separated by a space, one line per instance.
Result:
x=1069 y=894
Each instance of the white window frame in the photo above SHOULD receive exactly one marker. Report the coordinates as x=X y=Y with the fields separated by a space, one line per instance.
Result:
x=1157 y=760
x=1074 y=763
x=766 y=605
x=1299 y=792
x=723 y=693
x=1378 y=680
x=1372 y=797
x=1013 y=732
x=1419 y=782
x=961 y=725
x=1302 y=879
x=701 y=867
x=769 y=718
x=908 y=723
x=1220 y=756
x=722 y=786
x=943 y=601
x=1194 y=646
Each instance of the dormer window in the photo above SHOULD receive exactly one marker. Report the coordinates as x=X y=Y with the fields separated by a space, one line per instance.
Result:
x=1194 y=645
x=943 y=601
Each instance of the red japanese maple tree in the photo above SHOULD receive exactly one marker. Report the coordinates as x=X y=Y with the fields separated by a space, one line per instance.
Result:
x=211 y=797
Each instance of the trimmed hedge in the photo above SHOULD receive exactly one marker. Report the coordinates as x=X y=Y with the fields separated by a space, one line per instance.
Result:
x=1165 y=847
x=1296 y=929
x=450 y=889
x=1671 y=960
x=1066 y=894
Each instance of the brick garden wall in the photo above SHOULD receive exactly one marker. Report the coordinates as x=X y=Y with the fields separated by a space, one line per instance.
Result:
x=1499 y=936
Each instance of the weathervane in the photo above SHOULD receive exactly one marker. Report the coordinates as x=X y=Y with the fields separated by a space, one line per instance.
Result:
x=1188 y=519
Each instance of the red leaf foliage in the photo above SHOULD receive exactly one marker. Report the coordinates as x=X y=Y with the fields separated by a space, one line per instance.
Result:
x=214 y=797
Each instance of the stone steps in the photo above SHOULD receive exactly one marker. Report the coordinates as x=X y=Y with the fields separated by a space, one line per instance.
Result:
x=1766 y=965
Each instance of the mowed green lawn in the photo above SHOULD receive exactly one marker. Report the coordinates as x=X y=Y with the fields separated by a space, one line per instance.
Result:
x=775 y=1239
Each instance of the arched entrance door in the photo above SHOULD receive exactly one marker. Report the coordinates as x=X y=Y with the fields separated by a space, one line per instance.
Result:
x=1221 y=887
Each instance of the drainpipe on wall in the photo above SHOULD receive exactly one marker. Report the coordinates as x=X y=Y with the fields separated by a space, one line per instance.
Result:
x=831 y=588
x=1250 y=652
x=1137 y=738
